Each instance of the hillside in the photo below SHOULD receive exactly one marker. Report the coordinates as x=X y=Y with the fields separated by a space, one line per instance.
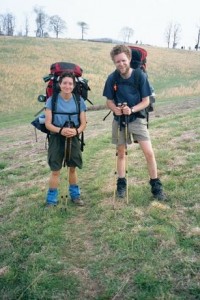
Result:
x=24 y=61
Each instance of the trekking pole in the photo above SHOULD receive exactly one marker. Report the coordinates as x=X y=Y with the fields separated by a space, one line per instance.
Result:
x=67 y=156
x=64 y=196
x=67 y=153
x=116 y=156
x=126 y=153
x=68 y=146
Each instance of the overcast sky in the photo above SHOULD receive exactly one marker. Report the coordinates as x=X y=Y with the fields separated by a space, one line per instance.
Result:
x=105 y=18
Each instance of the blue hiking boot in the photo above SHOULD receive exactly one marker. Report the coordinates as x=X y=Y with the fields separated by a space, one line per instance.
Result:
x=52 y=197
x=74 y=192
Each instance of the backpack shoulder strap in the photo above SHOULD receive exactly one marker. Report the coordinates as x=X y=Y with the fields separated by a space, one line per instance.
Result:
x=115 y=83
x=115 y=79
x=54 y=100
x=137 y=76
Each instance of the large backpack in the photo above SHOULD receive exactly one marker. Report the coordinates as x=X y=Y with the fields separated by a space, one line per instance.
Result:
x=58 y=69
x=52 y=89
x=138 y=63
x=139 y=57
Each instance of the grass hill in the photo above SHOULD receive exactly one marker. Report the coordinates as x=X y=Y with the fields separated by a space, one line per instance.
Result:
x=24 y=61
x=145 y=250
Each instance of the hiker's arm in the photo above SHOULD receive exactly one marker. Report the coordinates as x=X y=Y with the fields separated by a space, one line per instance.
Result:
x=48 y=121
x=70 y=132
x=83 y=122
x=65 y=131
x=116 y=109
x=140 y=106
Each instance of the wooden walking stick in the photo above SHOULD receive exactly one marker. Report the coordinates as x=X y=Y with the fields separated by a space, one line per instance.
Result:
x=126 y=154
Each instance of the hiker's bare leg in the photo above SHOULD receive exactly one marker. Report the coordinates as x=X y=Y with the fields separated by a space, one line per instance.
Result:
x=54 y=179
x=72 y=175
x=121 y=161
x=147 y=149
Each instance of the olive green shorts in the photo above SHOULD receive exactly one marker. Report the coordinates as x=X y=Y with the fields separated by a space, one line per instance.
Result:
x=137 y=130
x=57 y=155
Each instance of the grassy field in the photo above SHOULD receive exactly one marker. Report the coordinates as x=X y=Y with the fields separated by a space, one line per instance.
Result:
x=173 y=73
x=145 y=250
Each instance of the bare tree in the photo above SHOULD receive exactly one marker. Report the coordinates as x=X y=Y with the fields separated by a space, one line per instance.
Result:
x=10 y=24
x=1 y=24
x=26 y=27
x=172 y=34
x=41 y=21
x=176 y=35
x=168 y=33
x=198 y=39
x=126 y=33
x=7 y=24
x=84 y=27
x=57 y=25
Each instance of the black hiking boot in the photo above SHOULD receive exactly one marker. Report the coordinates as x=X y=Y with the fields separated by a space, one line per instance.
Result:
x=121 y=187
x=157 y=189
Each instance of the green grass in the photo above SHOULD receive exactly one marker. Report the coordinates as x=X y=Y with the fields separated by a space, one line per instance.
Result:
x=145 y=250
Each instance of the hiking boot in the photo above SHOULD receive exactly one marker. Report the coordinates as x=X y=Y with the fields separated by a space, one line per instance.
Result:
x=78 y=202
x=157 y=189
x=121 y=187
x=51 y=198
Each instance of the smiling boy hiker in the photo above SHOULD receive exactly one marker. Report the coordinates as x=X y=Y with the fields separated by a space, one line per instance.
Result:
x=128 y=101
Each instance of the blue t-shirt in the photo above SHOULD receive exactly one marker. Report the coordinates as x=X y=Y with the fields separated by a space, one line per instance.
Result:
x=66 y=110
x=126 y=88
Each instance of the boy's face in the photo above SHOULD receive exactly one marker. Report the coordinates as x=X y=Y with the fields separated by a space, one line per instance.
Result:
x=122 y=63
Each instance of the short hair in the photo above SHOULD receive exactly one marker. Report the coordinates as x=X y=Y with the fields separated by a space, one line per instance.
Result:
x=120 y=49
x=67 y=74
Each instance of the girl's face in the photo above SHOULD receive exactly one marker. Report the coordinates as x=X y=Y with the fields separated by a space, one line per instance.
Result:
x=67 y=85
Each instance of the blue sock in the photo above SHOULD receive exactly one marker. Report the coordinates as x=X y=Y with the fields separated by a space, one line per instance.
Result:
x=52 y=195
x=74 y=191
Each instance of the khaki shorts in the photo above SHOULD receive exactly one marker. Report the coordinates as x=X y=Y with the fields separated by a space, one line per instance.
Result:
x=136 y=130
x=56 y=153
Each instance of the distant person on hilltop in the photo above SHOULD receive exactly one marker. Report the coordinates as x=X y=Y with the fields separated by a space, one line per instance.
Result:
x=126 y=104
